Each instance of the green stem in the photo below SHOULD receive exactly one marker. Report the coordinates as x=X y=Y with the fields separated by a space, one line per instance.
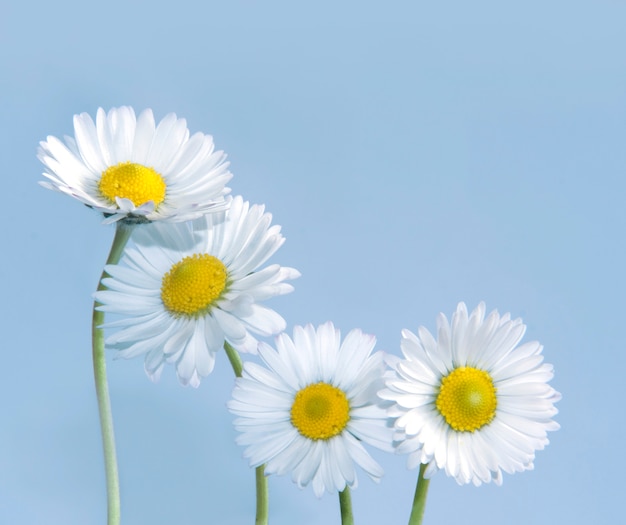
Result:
x=262 y=497
x=122 y=233
x=262 y=491
x=419 y=501
x=234 y=358
x=345 y=504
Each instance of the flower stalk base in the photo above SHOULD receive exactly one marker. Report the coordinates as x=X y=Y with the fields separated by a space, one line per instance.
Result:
x=262 y=489
x=345 y=504
x=122 y=233
x=419 y=501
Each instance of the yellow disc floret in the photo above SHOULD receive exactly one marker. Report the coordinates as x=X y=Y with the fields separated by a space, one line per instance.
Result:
x=467 y=399
x=193 y=284
x=135 y=182
x=320 y=411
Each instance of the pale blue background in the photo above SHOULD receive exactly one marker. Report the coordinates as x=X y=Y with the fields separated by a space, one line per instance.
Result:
x=416 y=154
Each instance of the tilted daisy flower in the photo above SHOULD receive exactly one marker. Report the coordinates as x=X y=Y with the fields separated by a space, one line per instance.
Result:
x=130 y=168
x=184 y=289
x=472 y=402
x=309 y=411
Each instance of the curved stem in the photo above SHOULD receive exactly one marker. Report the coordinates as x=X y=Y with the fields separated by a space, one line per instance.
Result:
x=234 y=358
x=345 y=504
x=122 y=233
x=262 y=489
x=419 y=501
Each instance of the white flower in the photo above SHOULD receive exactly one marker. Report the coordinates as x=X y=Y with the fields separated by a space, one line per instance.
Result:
x=183 y=289
x=129 y=168
x=309 y=410
x=472 y=402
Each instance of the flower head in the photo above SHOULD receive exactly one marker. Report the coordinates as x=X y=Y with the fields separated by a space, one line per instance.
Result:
x=310 y=410
x=184 y=289
x=132 y=169
x=472 y=402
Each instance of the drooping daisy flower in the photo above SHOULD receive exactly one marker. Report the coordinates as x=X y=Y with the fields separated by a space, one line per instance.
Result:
x=472 y=402
x=183 y=289
x=129 y=168
x=309 y=410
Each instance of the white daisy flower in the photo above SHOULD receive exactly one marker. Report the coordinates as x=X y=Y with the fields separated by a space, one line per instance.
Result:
x=310 y=410
x=472 y=402
x=129 y=168
x=184 y=289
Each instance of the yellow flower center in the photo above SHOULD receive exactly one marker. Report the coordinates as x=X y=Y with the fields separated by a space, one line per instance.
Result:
x=320 y=411
x=135 y=182
x=467 y=399
x=193 y=284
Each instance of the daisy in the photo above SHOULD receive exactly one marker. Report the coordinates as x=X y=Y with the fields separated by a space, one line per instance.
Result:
x=472 y=402
x=310 y=410
x=130 y=168
x=184 y=289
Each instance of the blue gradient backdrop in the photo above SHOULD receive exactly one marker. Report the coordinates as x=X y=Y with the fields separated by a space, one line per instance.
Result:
x=416 y=154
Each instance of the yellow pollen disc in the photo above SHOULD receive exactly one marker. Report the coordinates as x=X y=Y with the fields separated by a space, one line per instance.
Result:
x=193 y=284
x=135 y=182
x=320 y=411
x=467 y=399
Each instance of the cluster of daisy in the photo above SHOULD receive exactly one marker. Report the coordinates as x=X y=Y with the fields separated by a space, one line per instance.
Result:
x=192 y=281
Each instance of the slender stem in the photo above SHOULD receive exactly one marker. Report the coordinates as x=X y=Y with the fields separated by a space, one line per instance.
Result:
x=262 y=490
x=122 y=233
x=262 y=497
x=345 y=504
x=419 y=501
x=234 y=358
